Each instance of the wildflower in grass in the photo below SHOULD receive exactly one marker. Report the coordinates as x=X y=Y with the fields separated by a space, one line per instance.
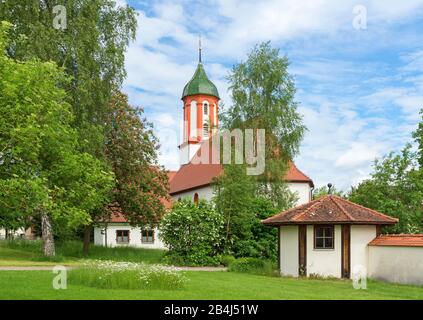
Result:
x=127 y=275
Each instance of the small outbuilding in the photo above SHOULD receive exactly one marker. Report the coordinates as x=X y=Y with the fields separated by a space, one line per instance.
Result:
x=326 y=237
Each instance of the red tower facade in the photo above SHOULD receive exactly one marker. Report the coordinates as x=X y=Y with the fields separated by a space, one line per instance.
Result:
x=201 y=109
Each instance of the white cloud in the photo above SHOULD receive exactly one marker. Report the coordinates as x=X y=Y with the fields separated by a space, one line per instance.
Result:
x=358 y=154
x=347 y=105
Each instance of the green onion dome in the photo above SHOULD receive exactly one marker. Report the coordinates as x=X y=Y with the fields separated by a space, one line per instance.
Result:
x=200 y=84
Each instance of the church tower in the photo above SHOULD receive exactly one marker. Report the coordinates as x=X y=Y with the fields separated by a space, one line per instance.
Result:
x=201 y=104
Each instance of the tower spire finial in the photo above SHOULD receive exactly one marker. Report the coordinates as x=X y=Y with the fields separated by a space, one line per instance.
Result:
x=199 y=48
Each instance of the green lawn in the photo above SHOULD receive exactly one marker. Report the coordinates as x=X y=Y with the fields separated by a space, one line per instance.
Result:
x=206 y=285
x=28 y=253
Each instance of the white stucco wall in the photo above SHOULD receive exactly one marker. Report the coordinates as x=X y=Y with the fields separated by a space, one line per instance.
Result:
x=289 y=250
x=18 y=233
x=187 y=152
x=360 y=237
x=302 y=190
x=134 y=237
x=396 y=264
x=205 y=193
x=324 y=262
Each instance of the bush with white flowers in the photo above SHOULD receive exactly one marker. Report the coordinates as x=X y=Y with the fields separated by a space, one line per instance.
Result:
x=193 y=233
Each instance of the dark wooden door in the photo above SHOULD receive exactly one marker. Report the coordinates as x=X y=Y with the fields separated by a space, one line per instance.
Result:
x=302 y=250
x=346 y=251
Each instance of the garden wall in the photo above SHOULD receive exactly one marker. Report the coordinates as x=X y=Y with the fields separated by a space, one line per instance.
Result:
x=399 y=264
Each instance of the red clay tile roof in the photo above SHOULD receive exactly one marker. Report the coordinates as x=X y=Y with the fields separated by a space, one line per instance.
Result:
x=329 y=209
x=295 y=175
x=398 y=240
x=116 y=214
x=171 y=175
x=192 y=176
x=195 y=175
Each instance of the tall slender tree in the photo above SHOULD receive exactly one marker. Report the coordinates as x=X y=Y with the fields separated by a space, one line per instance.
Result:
x=263 y=94
x=263 y=98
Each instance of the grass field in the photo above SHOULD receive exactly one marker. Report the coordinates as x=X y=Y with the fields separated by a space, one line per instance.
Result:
x=28 y=253
x=200 y=285
x=206 y=285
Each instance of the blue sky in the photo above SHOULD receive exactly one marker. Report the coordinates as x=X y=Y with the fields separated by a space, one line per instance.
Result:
x=359 y=91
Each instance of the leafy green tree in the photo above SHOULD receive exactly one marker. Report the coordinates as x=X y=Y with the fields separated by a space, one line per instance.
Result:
x=263 y=98
x=192 y=232
x=418 y=137
x=131 y=151
x=324 y=191
x=263 y=92
x=42 y=173
x=234 y=194
x=395 y=188
x=263 y=240
x=90 y=49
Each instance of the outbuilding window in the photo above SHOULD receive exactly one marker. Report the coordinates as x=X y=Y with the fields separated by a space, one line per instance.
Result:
x=122 y=236
x=147 y=236
x=323 y=237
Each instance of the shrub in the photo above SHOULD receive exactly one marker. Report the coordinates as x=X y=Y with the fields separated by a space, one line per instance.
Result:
x=127 y=275
x=253 y=265
x=192 y=233
x=226 y=260
x=195 y=259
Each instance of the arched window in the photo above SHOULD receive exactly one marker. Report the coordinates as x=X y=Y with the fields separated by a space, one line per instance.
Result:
x=205 y=130
x=193 y=119
x=196 y=198
x=206 y=108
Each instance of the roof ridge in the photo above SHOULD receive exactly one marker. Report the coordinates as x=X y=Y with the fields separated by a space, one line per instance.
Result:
x=317 y=201
x=295 y=166
x=342 y=208
x=289 y=210
x=374 y=211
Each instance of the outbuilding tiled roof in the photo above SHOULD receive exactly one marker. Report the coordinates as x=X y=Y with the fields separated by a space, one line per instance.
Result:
x=398 y=240
x=329 y=209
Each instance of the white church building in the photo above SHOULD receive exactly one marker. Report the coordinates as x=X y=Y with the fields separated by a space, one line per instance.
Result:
x=200 y=115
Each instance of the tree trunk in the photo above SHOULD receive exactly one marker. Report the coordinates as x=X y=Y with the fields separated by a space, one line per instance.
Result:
x=87 y=240
x=47 y=235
